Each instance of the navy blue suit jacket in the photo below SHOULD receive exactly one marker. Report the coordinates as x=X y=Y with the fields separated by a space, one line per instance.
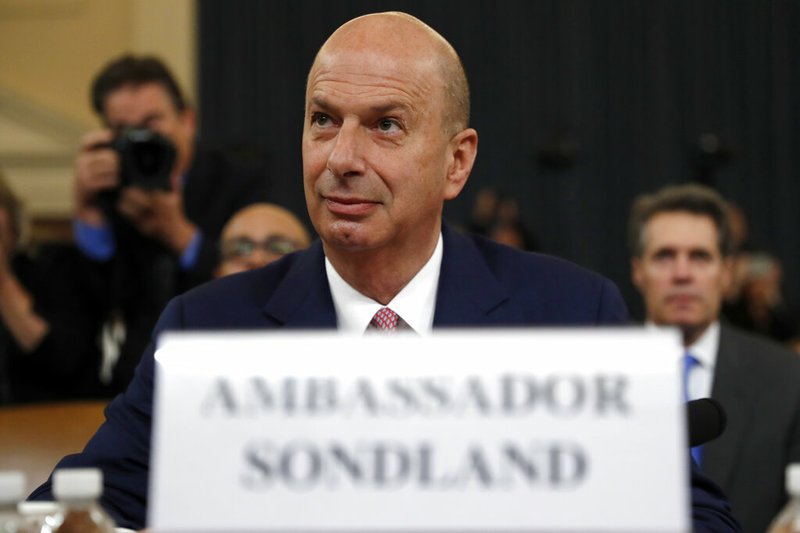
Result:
x=481 y=284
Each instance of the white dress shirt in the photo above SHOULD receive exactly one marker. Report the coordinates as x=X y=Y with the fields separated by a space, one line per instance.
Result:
x=415 y=303
x=704 y=349
x=701 y=377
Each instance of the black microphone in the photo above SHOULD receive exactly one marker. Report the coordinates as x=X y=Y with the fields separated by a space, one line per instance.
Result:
x=706 y=420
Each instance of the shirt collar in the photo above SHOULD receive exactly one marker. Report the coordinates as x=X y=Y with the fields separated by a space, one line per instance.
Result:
x=704 y=348
x=415 y=303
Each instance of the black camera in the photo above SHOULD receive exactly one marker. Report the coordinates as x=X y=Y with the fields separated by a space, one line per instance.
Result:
x=146 y=158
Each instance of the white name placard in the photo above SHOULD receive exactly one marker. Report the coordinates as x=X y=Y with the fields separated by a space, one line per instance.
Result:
x=482 y=431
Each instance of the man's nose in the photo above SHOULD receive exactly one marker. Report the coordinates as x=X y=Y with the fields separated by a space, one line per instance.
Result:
x=682 y=268
x=259 y=258
x=347 y=157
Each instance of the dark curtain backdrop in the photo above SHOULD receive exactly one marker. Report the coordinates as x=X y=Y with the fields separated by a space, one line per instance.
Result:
x=579 y=105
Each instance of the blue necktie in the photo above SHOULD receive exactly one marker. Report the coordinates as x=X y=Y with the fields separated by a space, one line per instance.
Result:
x=689 y=362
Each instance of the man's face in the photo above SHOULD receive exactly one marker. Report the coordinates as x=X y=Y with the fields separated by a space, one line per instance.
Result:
x=375 y=155
x=681 y=273
x=149 y=105
x=259 y=235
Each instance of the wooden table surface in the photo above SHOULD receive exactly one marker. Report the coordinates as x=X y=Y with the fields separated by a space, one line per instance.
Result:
x=33 y=438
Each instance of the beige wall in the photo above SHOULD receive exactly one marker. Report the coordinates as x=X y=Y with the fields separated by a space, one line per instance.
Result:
x=49 y=52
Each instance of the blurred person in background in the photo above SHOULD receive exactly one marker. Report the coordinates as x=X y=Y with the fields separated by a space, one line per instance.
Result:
x=149 y=203
x=681 y=262
x=48 y=348
x=258 y=235
x=754 y=300
x=496 y=215
x=760 y=306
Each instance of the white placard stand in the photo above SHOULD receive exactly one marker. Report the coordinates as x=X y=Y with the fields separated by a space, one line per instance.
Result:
x=490 y=431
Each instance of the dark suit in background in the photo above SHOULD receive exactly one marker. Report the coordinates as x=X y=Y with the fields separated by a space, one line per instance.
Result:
x=757 y=381
x=65 y=365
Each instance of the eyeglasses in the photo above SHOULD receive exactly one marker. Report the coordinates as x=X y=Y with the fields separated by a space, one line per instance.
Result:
x=243 y=247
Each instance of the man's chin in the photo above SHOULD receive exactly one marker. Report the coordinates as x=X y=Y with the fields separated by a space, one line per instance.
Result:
x=687 y=324
x=351 y=237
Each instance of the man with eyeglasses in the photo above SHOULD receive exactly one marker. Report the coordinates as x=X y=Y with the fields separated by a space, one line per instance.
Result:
x=257 y=235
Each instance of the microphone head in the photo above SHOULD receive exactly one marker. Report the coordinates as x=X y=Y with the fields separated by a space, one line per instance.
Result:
x=706 y=420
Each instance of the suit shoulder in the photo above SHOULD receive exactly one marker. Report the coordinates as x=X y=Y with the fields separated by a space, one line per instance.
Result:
x=569 y=293
x=235 y=300
x=763 y=351
x=506 y=260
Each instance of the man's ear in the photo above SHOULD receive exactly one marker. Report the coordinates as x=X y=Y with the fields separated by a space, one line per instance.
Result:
x=463 y=149
x=189 y=121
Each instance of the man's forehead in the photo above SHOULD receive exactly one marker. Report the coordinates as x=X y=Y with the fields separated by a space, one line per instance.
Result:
x=135 y=101
x=374 y=67
x=258 y=222
x=681 y=229
x=345 y=88
x=386 y=31
x=381 y=43
x=151 y=90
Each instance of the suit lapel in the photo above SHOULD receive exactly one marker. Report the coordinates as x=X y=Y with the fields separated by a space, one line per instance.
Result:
x=730 y=377
x=303 y=298
x=469 y=292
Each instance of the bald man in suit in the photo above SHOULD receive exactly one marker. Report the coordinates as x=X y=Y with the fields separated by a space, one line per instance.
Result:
x=386 y=142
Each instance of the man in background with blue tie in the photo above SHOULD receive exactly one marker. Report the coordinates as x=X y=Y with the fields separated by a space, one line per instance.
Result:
x=681 y=248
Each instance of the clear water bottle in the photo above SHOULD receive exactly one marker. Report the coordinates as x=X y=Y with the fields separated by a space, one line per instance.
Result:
x=78 y=490
x=788 y=520
x=37 y=516
x=12 y=490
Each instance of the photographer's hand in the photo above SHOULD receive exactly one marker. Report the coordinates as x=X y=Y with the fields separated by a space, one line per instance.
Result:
x=158 y=214
x=96 y=170
x=17 y=312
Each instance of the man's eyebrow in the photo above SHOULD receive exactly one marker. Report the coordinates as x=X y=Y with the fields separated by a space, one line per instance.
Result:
x=701 y=250
x=117 y=126
x=664 y=249
x=390 y=107
x=151 y=116
x=382 y=109
x=318 y=102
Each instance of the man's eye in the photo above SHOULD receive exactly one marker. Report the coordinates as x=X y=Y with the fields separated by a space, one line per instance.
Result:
x=388 y=125
x=320 y=119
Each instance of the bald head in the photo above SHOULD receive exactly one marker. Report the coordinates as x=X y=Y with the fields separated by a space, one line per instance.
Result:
x=402 y=38
x=257 y=235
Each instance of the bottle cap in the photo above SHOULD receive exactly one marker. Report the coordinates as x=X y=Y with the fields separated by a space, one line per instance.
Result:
x=793 y=479
x=12 y=487
x=71 y=484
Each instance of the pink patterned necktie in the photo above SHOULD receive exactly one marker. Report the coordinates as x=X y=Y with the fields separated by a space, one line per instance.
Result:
x=385 y=320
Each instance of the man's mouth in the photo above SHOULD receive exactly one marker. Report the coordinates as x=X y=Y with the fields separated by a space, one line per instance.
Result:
x=682 y=299
x=349 y=206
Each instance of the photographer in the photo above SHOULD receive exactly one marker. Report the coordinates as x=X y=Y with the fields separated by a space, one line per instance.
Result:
x=47 y=329
x=149 y=203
